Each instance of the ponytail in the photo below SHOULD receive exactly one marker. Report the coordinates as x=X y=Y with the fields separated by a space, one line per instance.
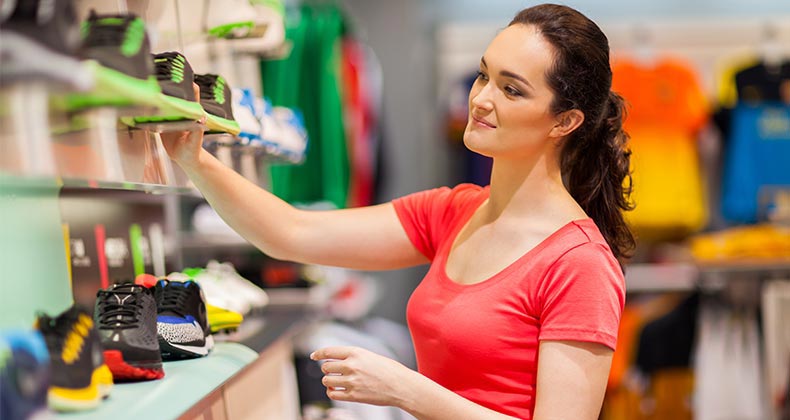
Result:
x=594 y=161
x=597 y=174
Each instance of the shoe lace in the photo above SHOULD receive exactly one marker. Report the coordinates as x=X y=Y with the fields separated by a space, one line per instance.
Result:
x=126 y=32
x=165 y=64
x=100 y=34
x=174 y=299
x=115 y=313
x=207 y=87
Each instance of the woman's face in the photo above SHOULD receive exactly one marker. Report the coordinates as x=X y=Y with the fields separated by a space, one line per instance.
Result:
x=509 y=102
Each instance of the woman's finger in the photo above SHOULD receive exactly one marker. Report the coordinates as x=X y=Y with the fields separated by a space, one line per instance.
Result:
x=338 y=394
x=333 y=366
x=338 y=353
x=335 y=381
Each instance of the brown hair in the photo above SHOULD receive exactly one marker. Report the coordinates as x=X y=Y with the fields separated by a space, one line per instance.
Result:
x=594 y=161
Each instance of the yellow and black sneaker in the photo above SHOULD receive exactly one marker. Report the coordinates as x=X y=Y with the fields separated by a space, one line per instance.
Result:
x=80 y=379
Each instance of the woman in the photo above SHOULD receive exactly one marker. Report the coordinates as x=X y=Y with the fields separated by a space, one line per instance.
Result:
x=519 y=312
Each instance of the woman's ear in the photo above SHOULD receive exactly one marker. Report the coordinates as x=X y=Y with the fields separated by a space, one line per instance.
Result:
x=567 y=122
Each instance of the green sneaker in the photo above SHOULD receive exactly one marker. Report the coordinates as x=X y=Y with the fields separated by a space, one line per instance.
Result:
x=117 y=49
x=177 y=102
x=215 y=97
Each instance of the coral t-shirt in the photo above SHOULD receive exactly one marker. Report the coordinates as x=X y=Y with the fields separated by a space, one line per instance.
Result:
x=481 y=340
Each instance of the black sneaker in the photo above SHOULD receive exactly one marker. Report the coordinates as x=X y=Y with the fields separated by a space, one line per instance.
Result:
x=177 y=100
x=126 y=318
x=80 y=379
x=120 y=51
x=39 y=39
x=215 y=97
x=182 y=323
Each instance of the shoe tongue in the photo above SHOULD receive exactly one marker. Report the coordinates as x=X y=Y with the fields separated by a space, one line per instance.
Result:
x=179 y=276
x=127 y=287
x=110 y=21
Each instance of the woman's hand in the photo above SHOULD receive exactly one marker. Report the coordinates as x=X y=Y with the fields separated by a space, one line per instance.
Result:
x=184 y=147
x=356 y=374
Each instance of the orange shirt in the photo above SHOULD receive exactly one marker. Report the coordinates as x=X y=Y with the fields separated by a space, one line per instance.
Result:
x=666 y=110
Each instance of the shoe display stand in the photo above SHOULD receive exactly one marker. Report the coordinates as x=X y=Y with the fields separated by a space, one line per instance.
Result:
x=92 y=157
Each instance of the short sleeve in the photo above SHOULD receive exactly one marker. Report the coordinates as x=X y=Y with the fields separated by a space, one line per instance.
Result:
x=420 y=214
x=582 y=296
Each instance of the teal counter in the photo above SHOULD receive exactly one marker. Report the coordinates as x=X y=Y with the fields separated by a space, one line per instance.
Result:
x=185 y=384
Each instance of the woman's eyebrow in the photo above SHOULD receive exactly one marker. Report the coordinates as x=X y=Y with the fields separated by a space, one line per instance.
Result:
x=508 y=73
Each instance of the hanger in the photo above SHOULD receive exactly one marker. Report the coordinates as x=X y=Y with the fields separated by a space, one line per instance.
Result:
x=644 y=50
x=770 y=48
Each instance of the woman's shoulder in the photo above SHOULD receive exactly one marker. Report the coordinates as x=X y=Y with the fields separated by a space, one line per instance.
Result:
x=582 y=240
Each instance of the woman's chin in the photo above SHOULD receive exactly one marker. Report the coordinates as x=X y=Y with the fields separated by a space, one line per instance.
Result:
x=475 y=143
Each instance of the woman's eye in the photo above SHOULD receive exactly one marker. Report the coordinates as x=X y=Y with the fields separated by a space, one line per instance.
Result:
x=481 y=75
x=510 y=90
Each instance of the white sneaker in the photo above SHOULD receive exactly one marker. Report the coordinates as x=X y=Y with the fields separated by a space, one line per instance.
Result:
x=273 y=132
x=235 y=19
x=257 y=297
x=272 y=14
x=294 y=141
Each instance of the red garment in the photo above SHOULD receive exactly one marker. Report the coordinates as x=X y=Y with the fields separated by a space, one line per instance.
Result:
x=481 y=341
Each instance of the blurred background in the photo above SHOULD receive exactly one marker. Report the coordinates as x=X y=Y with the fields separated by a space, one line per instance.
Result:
x=356 y=102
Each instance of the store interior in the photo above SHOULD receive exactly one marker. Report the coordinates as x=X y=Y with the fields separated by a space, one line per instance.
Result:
x=348 y=103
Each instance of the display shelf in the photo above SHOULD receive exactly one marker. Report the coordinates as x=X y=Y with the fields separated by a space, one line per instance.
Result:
x=278 y=322
x=774 y=265
x=11 y=182
x=128 y=186
x=32 y=183
x=681 y=276
x=185 y=384
x=660 y=277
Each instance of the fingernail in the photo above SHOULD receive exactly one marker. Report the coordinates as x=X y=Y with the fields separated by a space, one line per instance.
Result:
x=312 y=356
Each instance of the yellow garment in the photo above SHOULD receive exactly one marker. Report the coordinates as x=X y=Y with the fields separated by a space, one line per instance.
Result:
x=667 y=108
x=668 y=187
x=756 y=242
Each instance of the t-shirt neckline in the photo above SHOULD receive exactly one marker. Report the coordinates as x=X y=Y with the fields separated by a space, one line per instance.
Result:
x=496 y=277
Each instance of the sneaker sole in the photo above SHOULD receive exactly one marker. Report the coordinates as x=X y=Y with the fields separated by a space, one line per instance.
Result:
x=237 y=30
x=132 y=371
x=114 y=88
x=224 y=326
x=173 y=351
x=81 y=399
x=170 y=109
x=215 y=123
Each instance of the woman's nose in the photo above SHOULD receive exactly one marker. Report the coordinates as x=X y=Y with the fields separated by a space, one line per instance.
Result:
x=481 y=97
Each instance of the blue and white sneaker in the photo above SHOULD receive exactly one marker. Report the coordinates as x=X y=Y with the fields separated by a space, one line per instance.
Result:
x=181 y=322
x=293 y=143
x=25 y=374
x=244 y=110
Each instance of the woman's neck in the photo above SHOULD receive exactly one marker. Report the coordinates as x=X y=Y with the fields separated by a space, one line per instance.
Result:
x=529 y=189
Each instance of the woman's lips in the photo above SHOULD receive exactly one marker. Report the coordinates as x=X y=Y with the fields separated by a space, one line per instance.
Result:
x=483 y=123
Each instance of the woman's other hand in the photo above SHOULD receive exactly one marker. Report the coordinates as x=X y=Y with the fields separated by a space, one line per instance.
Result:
x=359 y=375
